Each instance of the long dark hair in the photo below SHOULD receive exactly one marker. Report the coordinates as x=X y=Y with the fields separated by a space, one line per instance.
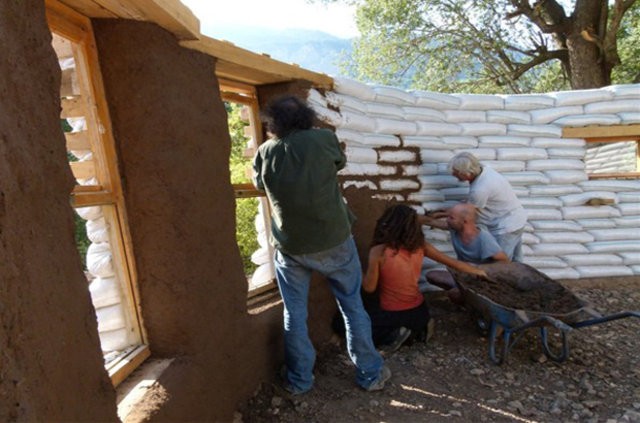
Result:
x=286 y=114
x=398 y=227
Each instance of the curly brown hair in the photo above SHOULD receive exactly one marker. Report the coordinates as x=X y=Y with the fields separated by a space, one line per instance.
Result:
x=398 y=227
x=286 y=114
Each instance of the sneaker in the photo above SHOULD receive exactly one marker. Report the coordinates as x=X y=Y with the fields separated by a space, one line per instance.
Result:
x=378 y=384
x=401 y=336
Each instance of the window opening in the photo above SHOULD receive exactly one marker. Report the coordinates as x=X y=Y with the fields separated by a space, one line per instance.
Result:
x=615 y=159
x=252 y=210
x=101 y=232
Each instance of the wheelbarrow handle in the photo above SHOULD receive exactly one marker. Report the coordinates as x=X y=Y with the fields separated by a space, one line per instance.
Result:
x=608 y=318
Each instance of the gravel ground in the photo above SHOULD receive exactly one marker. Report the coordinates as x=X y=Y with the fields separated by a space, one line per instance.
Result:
x=452 y=379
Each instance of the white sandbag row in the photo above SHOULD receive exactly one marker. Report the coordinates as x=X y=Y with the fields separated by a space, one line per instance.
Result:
x=519 y=136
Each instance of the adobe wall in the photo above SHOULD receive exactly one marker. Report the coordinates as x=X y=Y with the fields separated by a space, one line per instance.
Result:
x=50 y=360
x=398 y=144
x=173 y=146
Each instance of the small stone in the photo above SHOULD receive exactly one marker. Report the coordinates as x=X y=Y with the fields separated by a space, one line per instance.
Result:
x=374 y=403
x=636 y=405
x=477 y=372
x=276 y=402
x=592 y=403
x=455 y=413
x=457 y=404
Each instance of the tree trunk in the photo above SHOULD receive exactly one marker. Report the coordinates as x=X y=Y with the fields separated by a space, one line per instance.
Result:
x=588 y=65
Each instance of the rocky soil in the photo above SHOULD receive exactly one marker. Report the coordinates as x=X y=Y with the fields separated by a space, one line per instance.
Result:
x=452 y=379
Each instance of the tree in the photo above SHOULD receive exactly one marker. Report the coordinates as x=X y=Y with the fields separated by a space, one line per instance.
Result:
x=491 y=46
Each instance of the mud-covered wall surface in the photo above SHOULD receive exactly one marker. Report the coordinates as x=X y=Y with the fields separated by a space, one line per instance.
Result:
x=173 y=146
x=50 y=360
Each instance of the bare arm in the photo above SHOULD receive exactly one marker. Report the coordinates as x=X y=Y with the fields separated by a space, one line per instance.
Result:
x=434 y=254
x=501 y=256
x=376 y=259
x=433 y=222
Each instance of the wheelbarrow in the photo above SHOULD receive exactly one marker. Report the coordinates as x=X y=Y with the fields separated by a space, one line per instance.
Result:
x=516 y=297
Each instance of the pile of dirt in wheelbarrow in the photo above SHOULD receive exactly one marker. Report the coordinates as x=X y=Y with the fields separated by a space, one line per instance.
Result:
x=521 y=287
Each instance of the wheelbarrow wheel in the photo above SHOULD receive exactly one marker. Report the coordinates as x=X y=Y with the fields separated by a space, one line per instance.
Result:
x=560 y=356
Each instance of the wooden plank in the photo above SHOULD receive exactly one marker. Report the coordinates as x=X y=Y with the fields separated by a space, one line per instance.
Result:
x=237 y=87
x=65 y=21
x=122 y=9
x=69 y=83
x=128 y=364
x=172 y=15
x=72 y=107
x=89 y=8
x=90 y=195
x=594 y=131
x=246 y=75
x=237 y=98
x=279 y=71
x=83 y=170
x=78 y=141
x=626 y=175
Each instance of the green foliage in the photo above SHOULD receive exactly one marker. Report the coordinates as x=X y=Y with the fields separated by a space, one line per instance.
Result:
x=82 y=241
x=467 y=46
x=246 y=209
x=628 y=72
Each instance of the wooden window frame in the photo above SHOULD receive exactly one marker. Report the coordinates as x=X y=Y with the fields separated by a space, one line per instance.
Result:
x=614 y=133
x=245 y=94
x=77 y=28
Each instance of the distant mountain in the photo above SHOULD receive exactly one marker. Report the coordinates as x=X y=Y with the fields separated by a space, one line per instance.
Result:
x=313 y=50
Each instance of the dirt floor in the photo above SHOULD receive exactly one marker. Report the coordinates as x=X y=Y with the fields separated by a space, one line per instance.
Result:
x=452 y=379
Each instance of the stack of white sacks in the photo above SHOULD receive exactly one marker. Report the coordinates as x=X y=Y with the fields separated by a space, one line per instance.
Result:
x=520 y=136
x=105 y=287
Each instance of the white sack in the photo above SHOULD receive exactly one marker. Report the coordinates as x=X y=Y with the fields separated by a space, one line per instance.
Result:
x=89 y=213
x=436 y=100
x=345 y=101
x=557 y=142
x=556 y=274
x=261 y=256
x=436 y=156
x=555 y=225
x=584 y=197
x=529 y=238
x=393 y=95
x=478 y=129
x=353 y=88
x=314 y=96
x=480 y=102
x=555 y=164
x=616 y=106
x=459 y=116
x=527 y=101
x=561 y=177
x=367 y=169
x=111 y=318
x=613 y=246
x=432 y=143
x=399 y=184
x=457 y=193
x=610 y=185
x=349 y=136
x=629 y=118
x=422 y=113
x=329 y=116
x=526 y=178
x=104 y=292
x=438 y=181
x=534 y=131
x=603 y=271
x=625 y=91
x=358 y=122
x=548 y=202
x=589 y=212
x=263 y=275
x=506 y=117
x=627 y=222
x=566 y=153
x=381 y=140
x=360 y=184
x=558 y=249
x=98 y=230
x=99 y=260
x=554 y=189
x=502 y=166
x=586 y=120
x=579 y=97
x=629 y=209
x=385 y=110
x=397 y=156
x=438 y=129
x=592 y=259
x=579 y=237
x=114 y=340
x=596 y=223
x=545 y=262
x=503 y=141
x=550 y=115
x=506 y=153
x=479 y=153
x=361 y=155
x=630 y=258
x=395 y=127
x=544 y=214
x=460 y=142
x=427 y=195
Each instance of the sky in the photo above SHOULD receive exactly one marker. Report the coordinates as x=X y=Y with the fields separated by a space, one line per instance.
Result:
x=337 y=20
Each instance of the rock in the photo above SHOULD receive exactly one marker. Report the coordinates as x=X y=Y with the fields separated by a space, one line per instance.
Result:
x=276 y=402
x=477 y=372
x=455 y=413
x=374 y=403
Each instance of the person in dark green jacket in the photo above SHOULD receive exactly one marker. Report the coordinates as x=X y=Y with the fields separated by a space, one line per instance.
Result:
x=311 y=231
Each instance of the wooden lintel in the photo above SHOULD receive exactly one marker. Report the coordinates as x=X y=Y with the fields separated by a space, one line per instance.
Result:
x=626 y=175
x=278 y=71
x=597 y=131
x=90 y=195
x=126 y=365
x=237 y=87
x=237 y=98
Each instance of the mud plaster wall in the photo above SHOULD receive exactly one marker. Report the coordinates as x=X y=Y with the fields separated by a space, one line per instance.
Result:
x=50 y=359
x=173 y=146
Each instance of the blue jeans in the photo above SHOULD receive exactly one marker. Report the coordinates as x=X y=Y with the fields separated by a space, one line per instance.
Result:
x=341 y=266
x=511 y=244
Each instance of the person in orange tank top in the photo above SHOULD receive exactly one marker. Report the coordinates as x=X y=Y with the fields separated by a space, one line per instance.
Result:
x=395 y=262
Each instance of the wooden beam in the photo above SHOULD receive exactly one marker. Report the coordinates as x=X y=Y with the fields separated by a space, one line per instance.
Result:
x=126 y=365
x=626 y=175
x=89 y=8
x=237 y=87
x=72 y=107
x=173 y=16
x=278 y=71
x=86 y=195
x=597 y=131
x=83 y=170
x=78 y=141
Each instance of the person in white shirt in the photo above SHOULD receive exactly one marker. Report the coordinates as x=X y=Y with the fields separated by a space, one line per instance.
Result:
x=499 y=209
